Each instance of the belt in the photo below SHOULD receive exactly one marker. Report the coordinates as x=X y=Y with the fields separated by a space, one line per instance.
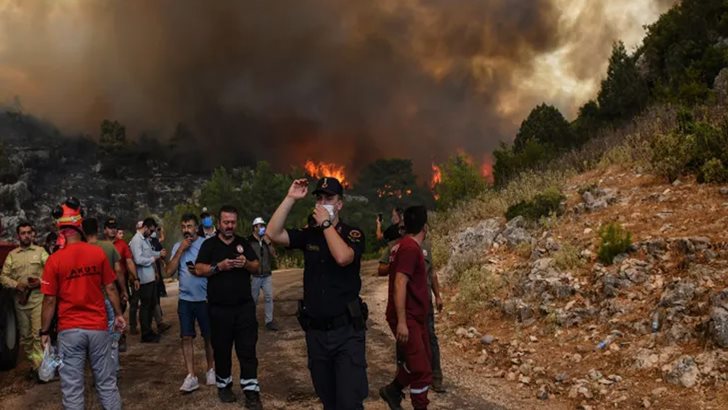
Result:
x=329 y=323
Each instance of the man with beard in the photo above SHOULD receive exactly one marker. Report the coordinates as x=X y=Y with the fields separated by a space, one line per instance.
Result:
x=228 y=260
x=145 y=257
x=192 y=305
x=22 y=271
x=331 y=313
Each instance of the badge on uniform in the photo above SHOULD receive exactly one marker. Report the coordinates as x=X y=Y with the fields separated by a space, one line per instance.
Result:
x=240 y=249
x=354 y=235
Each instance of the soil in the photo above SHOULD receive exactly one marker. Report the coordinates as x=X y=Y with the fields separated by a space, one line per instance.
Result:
x=152 y=373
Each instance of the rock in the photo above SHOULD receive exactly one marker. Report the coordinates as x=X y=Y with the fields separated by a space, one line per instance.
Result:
x=585 y=392
x=588 y=231
x=646 y=403
x=678 y=294
x=720 y=86
x=684 y=372
x=487 y=339
x=646 y=359
x=655 y=247
x=723 y=191
x=595 y=375
x=473 y=241
x=659 y=392
x=598 y=198
x=524 y=379
x=515 y=233
x=561 y=378
x=718 y=327
x=635 y=270
x=461 y=331
x=543 y=393
x=511 y=376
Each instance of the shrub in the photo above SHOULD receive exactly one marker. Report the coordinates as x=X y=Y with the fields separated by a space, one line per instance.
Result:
x=714 y=171
x=543 y=204
x=614 y=240
x=567 y=257
x=477 y=285
x=461 y=181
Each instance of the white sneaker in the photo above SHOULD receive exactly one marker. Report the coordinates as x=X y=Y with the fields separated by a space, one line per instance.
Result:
x=211 y=377
x=190 y=384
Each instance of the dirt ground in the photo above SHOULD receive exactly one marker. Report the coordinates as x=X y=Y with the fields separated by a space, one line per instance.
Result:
x=152 y=373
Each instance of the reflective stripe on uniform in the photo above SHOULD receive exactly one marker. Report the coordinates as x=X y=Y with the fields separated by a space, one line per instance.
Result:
x=250 y=384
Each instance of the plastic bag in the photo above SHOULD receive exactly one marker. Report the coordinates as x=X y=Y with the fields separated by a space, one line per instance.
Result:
x=50 y=364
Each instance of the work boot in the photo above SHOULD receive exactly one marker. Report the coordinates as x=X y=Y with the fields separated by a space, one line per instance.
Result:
x=226 y=394
x=392 y=395
x=437 y=384
x=271 y=326
x=163 y=327
x=252 y=400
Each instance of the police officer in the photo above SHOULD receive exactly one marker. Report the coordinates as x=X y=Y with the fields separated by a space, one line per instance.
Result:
x=331 y=313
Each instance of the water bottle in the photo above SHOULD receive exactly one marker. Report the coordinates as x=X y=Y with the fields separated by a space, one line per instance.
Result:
x=655 y=321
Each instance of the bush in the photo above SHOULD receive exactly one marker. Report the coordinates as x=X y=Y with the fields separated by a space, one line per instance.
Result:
x=461 y=181
x=568 y=257
x=614 y=240
x=543 y=204
x=714 y=171
x=477 y=285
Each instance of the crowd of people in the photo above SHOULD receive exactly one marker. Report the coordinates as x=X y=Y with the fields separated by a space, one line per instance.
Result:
x=74 y=293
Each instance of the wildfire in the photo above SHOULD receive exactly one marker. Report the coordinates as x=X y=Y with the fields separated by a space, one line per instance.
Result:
x=326 y=169
x=436 y=176
x=486 y=169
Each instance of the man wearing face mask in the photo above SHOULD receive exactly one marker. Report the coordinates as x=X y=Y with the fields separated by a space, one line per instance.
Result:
x=263 y=278
x=207 y=225
x=331 y=312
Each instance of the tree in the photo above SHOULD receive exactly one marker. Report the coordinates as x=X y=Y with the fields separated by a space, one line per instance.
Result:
x=389 y=183
x=545 y=125
x=460 y=181
x=113 y=134
x=587 y=122
x=623 y=93
x=509 y=162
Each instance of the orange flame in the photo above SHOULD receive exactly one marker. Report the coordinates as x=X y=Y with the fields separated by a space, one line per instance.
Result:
x=436 y=176
x=486 y=169
x=326 y=169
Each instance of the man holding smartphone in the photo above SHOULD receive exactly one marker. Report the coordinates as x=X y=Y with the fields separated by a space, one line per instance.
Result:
x=228 y=260
x=192 y=305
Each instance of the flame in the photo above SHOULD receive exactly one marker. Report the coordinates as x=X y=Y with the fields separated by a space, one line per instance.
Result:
x=326 y=169
x=486 y=169
x=436 y=176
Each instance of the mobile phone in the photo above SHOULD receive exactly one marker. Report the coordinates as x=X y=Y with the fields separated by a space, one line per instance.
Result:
x=379 y=217
x=190 y=264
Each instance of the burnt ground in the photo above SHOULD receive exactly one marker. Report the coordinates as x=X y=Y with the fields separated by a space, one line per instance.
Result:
x=152 y=373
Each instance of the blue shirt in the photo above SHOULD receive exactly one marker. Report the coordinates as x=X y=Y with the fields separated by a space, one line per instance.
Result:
x=191 y=288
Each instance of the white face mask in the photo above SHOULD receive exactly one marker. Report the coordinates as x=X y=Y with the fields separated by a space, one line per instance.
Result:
x=329 y=209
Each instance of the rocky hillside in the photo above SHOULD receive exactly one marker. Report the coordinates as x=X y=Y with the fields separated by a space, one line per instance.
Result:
x=42 y=167
x=529 y=302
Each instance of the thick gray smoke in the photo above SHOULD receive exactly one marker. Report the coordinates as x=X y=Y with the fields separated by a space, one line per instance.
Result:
x=288 y=80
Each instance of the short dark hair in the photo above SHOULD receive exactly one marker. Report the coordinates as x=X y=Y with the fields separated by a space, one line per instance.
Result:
x=90 y=226
x=227 y=209
x=23 y=224
x=415 y=218
x=149 y=222
x=189 y=217
x=399 y=211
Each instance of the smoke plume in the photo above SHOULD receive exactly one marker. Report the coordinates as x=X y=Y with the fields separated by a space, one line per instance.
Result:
x=287 y=80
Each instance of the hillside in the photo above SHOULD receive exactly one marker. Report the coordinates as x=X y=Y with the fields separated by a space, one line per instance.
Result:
x=529 y=302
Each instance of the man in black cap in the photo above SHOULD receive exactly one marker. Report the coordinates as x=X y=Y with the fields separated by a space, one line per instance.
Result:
x=331 y=313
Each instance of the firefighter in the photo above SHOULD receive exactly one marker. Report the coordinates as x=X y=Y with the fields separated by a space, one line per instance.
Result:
x=22 y=271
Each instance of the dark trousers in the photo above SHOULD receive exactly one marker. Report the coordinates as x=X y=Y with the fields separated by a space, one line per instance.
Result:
x=338 y=366
x=413 y=363
x=148 y=298
x=133 y=308
x=234 y=325
x=435 y=348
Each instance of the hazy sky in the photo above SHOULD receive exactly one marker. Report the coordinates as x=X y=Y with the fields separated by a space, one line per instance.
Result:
x=287 y=80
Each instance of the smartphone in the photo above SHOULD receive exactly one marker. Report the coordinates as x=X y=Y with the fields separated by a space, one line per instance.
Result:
x=379 y=217
x=190 y=264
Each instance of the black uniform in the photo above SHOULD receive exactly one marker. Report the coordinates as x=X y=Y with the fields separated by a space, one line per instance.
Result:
x=333 y=318
x=232 y=312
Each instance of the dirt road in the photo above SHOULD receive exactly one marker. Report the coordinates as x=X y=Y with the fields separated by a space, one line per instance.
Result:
x=152 y=373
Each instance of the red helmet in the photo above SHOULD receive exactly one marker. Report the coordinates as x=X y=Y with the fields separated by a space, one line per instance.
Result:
x=69 y=214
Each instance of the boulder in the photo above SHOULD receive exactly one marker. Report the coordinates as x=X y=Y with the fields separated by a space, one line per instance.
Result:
x=684 y=372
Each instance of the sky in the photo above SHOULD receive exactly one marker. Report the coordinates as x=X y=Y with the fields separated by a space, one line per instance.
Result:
x=327 y=80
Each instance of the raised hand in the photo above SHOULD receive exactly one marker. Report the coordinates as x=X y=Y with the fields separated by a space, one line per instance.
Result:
x=298 y=189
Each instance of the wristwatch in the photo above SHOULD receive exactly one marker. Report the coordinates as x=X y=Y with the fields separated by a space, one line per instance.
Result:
x=326 y=224
x=214 y=269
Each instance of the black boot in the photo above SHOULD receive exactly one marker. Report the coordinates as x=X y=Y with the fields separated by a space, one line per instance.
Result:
x=392 y=394
x=252 y=400
x=437 y=384
x=226 y=394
